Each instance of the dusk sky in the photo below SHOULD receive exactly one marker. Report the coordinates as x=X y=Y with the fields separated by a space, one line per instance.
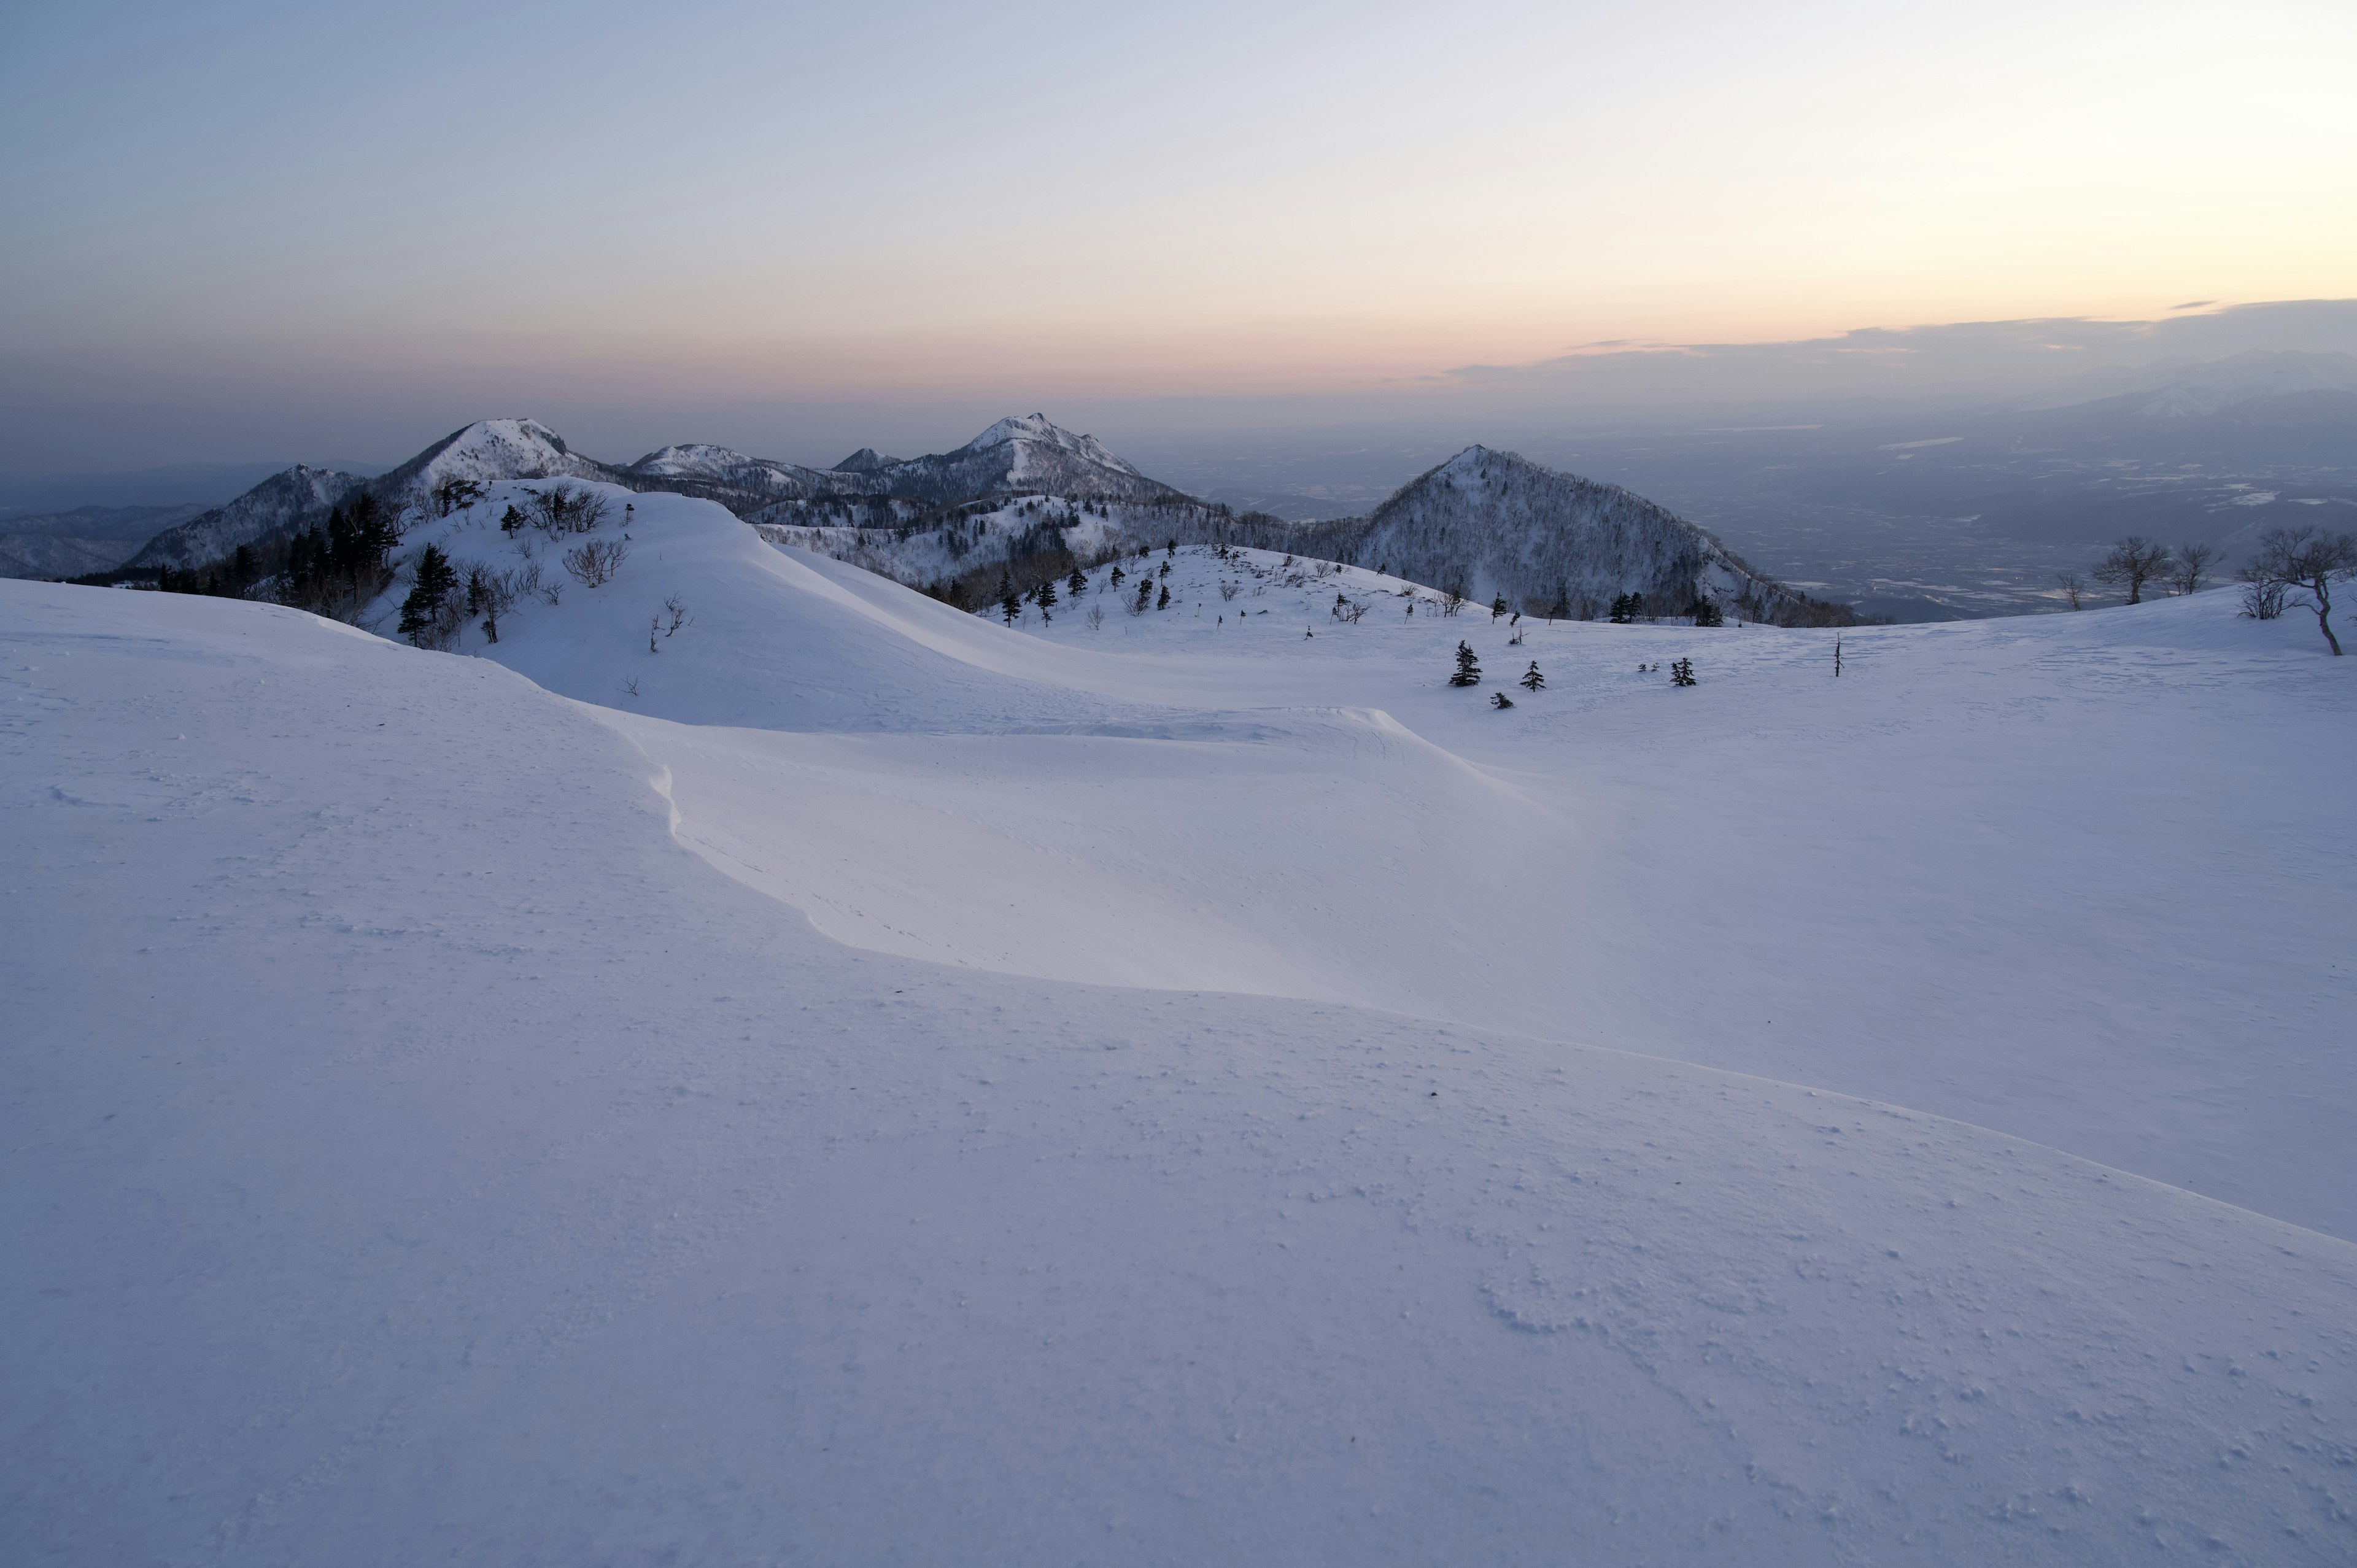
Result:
x=265 y=230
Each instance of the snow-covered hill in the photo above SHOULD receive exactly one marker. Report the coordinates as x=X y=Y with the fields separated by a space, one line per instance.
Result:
x=486 y=452
x=299 y=498
x=418 y=1154
x=1016 y=455
x=1495 y=523
x=743 y=484
x=1486 y=523
x=1489 y=522
x=1901 y=883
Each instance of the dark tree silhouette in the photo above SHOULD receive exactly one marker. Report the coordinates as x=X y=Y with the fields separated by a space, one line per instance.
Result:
x=421 y=612
x=2303 y=561
x=2131 y=563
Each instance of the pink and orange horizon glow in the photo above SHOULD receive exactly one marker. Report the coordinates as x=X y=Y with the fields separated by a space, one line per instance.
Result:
x=317 y=214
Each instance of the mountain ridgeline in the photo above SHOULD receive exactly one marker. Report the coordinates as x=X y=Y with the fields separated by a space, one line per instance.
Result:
x=1490 y=525
x=1027 y=499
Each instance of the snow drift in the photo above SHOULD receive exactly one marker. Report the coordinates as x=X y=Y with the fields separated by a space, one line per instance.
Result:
x=419 y=1154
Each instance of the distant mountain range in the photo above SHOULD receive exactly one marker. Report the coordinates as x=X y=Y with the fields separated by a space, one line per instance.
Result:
x=1485 y=524
x=84 y=540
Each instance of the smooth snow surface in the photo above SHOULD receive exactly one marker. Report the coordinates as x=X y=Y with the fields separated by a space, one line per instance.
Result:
x=2086 y=879
x=1178 y=1131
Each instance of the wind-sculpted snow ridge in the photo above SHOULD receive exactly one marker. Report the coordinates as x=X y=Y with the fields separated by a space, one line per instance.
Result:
x=416 y=1154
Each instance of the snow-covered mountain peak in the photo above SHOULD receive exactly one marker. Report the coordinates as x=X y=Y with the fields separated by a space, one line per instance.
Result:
x=1476 y=461
x=692 y=459
x=867 y=460
x=1024 y=430
x=486 y=452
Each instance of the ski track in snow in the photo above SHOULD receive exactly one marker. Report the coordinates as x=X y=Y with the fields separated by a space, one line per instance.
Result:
x=1176 y=1133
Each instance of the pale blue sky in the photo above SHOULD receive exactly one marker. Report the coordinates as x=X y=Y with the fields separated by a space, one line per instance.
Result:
x=269 y=228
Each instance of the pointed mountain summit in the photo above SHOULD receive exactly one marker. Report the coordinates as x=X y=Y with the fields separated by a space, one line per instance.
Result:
x=866 y=460
x=488 y=451
x=287 y=503
x=1489 y=523
x=1020 y=454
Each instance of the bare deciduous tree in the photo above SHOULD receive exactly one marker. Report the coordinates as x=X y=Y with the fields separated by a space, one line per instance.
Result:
x=2131 y=563
x=2302 y=560
x=2071 y=587
x=563 y=508
x=677 y=614
x=595 y=563
x=2193 y=565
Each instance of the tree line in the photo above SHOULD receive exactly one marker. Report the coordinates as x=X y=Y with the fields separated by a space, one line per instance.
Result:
x=2293 y=568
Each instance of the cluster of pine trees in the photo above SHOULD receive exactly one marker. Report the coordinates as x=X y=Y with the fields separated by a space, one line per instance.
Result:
x=343 y=564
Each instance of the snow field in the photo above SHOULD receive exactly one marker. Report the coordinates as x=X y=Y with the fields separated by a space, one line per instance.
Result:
x=418 y=1156
x=2086 y=879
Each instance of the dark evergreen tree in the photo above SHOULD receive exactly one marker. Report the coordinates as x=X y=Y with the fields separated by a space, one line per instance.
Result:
x=1621 y=612
x=1497 y=606
x=1561 y=609
x=1682 y=672
x=1146 y=591
x=1077 y=583
x=1046 y=592
x=1009 y=604
x=421 y=612
x=1500 y=700
x=1164 y=602
x=1118 y=576
x=1707 y=613
x=1532 y=680
x=1469 y=668
x=510 y=519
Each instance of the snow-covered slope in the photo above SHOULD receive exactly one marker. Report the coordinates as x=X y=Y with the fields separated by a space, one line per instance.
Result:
x=297 y=498
x=1495 y=523
x=740 y=483
x=1020 y=454
x=416 y=1154
x=1016 y=454
x=488 y=451
x=1933 y=882
x=1489 y=523
x=1499 y=524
